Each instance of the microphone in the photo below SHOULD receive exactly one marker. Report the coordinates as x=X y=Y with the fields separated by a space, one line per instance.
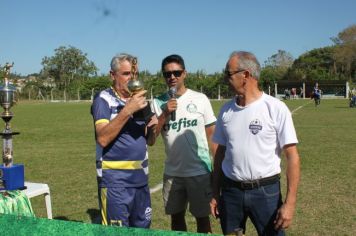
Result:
x=172 y=93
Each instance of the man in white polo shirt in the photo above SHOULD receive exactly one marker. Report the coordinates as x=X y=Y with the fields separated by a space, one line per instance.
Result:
x=252 y=130
x=186 y=122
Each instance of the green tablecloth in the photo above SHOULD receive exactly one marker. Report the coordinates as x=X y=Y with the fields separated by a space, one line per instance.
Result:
x=15 y=203
x=11 y=225
x=17 y=219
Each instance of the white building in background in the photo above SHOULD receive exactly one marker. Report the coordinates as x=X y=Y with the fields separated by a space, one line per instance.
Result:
x=20 y=83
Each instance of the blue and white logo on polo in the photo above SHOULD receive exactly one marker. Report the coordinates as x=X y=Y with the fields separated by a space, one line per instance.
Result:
x=148 y=213
x=255 y=126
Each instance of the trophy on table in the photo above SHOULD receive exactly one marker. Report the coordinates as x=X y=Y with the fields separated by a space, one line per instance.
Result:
x=135 y=85
x=11 y=175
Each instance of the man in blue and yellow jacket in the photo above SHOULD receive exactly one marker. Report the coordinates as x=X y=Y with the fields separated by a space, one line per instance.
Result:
x=121 y=150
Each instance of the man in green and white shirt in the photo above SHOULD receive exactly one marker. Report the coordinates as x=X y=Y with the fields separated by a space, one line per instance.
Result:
x=188 y=147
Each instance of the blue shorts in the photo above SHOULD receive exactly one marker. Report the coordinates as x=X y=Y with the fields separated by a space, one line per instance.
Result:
x=259 y=204
x=129 y=207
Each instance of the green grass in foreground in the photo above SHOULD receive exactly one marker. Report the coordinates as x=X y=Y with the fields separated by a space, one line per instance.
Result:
x=57 y=146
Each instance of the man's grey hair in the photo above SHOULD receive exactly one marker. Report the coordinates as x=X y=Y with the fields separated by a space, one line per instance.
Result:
x=248 y=61
x=118 y=59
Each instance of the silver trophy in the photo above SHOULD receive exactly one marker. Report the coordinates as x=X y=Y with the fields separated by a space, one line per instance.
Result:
x=135 y=85
x=11 y=175
x=7 y=99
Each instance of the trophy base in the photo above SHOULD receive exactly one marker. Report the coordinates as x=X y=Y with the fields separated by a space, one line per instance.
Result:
x=144 y=115
x=6 y=116
x=12 y=178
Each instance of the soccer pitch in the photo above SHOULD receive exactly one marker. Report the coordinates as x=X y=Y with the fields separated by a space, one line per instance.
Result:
x=56 y=145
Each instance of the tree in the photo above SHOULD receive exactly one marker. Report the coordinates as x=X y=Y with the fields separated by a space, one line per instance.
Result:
x=155 y=83
x=316 y=64
x=66 y=65
x=345 y=51
x=275 y=68
x=94 y=84
x=270 y=75
x=281 y=59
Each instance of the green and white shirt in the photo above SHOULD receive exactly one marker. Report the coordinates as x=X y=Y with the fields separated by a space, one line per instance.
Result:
x=185 y=139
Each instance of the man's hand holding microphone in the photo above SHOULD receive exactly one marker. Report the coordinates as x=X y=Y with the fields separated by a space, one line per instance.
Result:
x=171 y=105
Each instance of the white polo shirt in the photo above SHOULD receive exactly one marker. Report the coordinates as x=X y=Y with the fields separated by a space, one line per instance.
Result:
x=185 y=138
x=254 y=137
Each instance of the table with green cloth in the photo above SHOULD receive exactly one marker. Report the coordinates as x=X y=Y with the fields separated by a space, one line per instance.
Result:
x=15 y=203
x=11 y=225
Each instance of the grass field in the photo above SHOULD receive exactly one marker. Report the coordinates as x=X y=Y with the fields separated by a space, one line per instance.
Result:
x=57 y=147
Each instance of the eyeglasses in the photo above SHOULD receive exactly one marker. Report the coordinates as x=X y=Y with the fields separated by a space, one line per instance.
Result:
x=176 y=73
x=228 y=74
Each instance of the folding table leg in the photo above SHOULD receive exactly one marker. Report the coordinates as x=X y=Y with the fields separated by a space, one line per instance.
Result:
x=48 y=205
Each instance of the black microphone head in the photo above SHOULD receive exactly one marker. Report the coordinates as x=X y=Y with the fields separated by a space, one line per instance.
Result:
x=172 y=92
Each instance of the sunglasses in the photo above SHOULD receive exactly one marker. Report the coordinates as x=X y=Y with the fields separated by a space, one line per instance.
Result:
x=176 y=73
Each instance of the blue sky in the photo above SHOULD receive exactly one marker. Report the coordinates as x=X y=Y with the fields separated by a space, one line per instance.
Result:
x=204 y=32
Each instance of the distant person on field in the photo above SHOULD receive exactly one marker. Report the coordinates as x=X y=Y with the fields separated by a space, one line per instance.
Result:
x=187 y=140
x=294 y=93
x=121 y=150
x=353 y=97
x=316 y=94
x=287 y=94
x=301 y=92
x=252 y=130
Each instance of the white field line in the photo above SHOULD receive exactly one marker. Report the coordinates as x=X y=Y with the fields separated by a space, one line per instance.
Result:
x=156 y=188
x=300 y=107
x=159 y=186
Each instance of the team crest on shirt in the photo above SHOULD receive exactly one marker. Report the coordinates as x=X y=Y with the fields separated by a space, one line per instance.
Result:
x=192 y=108
x=255 y=126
